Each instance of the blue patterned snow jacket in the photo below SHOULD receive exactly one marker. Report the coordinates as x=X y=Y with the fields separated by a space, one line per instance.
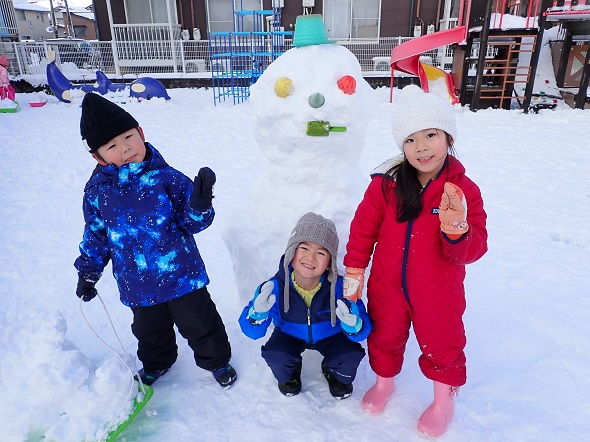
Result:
x=139 y=217
x=308 y=324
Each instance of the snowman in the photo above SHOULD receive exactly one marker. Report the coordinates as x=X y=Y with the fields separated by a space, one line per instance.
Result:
x=311 y=108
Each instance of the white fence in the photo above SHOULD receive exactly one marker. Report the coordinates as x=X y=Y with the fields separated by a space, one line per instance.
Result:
x=134 y=57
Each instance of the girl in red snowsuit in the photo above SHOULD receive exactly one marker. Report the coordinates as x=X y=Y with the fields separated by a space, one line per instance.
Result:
x=421 y=220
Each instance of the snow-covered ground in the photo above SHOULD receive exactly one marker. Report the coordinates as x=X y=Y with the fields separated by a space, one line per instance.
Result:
x=528 y=305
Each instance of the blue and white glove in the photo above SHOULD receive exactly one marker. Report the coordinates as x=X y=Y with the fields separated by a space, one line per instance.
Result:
x=263 y=302
x=349 y=316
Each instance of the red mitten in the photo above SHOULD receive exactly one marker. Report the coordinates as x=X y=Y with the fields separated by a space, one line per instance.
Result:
x=453 y=212
x=354 y=280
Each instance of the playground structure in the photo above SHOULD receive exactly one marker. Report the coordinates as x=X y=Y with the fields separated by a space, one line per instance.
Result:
x=573 y=54
x=238 y=58
x=503 y=74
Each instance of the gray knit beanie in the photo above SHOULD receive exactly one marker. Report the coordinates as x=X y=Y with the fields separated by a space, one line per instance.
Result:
x=417 y=110
x=314 y=228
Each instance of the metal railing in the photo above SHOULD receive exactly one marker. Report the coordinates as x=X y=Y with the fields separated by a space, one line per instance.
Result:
x=188 y=57
x=568 y=5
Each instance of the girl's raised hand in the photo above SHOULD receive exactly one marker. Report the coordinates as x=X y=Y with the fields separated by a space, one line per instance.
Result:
x=453 y=211
x=354 y=280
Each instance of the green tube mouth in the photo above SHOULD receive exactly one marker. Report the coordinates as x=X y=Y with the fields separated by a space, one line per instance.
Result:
x=322 y=128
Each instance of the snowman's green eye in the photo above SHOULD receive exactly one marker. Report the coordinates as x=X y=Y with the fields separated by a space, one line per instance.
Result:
x=316 y=100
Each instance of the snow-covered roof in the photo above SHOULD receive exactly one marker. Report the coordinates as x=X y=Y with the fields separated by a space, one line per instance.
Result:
x=81 y=12
x=39 y=6
x=72 y=4
x=86 y=14
x=25 y=5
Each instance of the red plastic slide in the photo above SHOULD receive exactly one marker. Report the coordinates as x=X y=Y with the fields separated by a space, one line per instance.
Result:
x=406 y=58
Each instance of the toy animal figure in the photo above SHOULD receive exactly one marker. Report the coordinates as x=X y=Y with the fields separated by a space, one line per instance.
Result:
x=142 y=88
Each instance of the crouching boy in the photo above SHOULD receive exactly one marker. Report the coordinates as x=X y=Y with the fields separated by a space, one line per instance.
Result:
x=304 y=300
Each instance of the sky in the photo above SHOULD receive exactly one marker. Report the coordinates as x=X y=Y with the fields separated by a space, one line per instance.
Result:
x=528 y=355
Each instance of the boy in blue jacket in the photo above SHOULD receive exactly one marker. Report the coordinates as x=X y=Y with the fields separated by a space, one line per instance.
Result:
x=311 y=312
x=142 y=214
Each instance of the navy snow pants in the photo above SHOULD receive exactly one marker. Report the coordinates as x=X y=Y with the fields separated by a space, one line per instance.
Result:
x=282 y=353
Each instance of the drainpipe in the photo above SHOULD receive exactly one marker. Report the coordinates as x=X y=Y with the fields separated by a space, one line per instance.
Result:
x=70 y=24
x=412 y=5
x=53 y=19
x=179 y=8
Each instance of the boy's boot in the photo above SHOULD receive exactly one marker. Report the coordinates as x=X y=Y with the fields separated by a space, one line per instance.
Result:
x=376 y=398
x=437 y=416
x=337 y=388
x=225 y=375
x=293 y=386
x=149 y=377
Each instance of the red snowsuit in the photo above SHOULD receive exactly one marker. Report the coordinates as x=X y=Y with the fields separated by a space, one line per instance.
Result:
x=417 y=276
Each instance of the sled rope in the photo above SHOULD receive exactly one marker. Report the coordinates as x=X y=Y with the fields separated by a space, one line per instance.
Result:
x=110 y=426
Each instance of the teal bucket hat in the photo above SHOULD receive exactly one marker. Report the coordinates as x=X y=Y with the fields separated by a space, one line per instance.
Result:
x=310 y=30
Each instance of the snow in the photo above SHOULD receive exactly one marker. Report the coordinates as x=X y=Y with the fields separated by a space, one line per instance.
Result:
x=526 y=320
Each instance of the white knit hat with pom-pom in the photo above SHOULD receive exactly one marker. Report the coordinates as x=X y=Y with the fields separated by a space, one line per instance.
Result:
x=416 y=110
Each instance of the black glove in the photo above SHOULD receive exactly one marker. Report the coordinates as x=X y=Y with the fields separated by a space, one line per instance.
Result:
x=86 y=290
x=202 y=196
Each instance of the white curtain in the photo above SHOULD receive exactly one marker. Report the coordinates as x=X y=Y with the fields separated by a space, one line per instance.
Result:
x=365 y=18
x=352 y=18
x=247 y=23
x=149 y=11
x=337 y=18
x=221 y=14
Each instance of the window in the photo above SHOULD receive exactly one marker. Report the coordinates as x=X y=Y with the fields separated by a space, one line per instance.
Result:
x=220 y=15
x=20 y=15
x=346 y=19
x=80 y=31
x=150 y=11
x=450 y=15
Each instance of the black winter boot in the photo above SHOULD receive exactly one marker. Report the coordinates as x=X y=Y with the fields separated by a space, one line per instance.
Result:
x=337 y=388
x=148 y=378
x=293 y=386
x=225 y=376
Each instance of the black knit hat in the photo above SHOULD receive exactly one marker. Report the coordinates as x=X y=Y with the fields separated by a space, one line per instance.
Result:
x=102 y=121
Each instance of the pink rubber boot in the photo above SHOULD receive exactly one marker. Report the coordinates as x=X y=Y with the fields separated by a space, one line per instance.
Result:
x=376 y=398
x=437 y=416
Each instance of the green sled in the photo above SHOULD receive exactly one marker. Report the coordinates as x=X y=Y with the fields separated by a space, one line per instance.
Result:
x=137 y=407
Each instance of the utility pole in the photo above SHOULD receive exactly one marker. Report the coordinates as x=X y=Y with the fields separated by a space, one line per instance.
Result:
x=70 y=24
x=53 y=21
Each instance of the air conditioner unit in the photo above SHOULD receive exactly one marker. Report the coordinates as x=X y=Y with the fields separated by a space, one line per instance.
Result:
x=308 y=3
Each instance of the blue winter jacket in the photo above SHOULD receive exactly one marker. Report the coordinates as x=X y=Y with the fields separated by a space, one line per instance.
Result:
x=310 y=324
x=139 y=217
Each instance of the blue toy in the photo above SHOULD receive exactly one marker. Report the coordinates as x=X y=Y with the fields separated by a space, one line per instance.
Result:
x=142 y=88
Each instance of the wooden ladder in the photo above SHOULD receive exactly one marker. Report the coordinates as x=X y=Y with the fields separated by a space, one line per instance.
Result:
x=507 y=72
